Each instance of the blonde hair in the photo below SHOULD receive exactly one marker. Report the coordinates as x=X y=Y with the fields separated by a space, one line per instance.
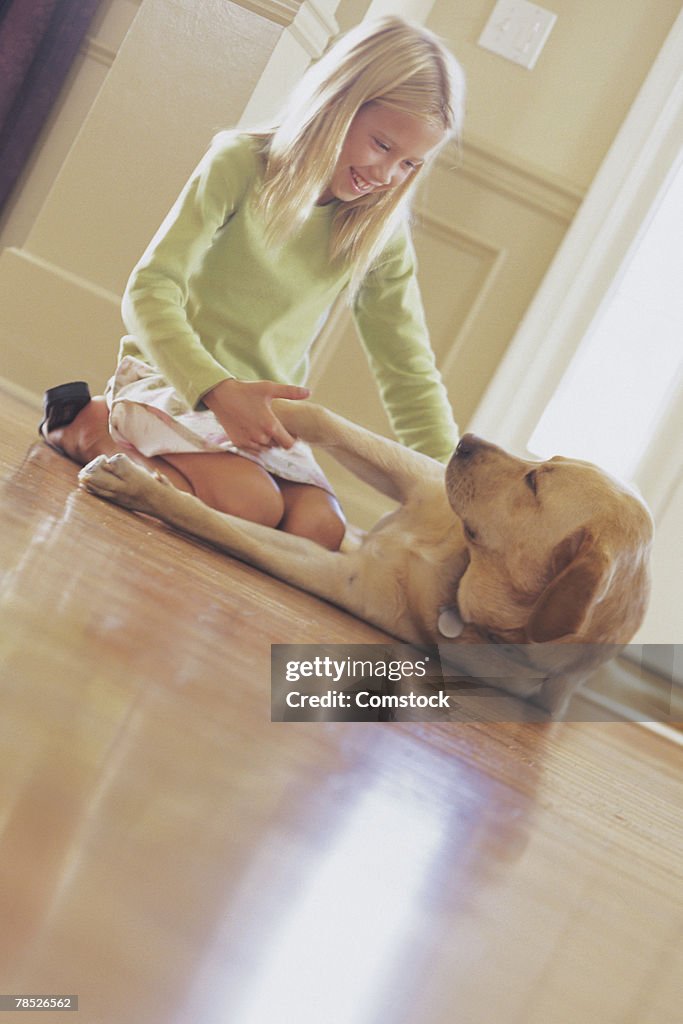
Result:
x=390 y=62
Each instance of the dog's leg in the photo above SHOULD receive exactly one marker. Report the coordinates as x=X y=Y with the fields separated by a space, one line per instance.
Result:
x=387 y=466
x=295 y=560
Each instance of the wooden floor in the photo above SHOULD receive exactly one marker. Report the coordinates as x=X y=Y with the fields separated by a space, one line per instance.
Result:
x=171 y=856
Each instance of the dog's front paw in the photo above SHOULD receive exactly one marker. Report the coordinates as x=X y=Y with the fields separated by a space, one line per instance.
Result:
x=118 y=479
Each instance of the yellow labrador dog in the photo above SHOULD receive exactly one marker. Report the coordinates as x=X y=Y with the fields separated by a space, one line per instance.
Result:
x=522 y=556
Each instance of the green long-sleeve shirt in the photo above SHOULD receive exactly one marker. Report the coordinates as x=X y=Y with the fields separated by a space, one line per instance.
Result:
x=210 y=300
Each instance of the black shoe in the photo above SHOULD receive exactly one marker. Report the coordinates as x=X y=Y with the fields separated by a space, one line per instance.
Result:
x=61 y=405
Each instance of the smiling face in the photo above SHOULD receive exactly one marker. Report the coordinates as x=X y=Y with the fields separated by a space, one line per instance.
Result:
x=383 y=147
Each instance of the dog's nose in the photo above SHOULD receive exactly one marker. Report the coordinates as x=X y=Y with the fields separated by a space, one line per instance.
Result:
x=467 y=446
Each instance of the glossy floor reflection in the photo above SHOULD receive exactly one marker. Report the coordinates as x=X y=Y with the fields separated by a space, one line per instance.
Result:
x=172 y=857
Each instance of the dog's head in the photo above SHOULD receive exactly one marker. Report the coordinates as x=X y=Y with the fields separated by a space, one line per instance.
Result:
x=559 y=550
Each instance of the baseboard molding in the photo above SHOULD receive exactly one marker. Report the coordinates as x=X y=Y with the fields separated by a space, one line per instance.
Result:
x=30 y=398
x=55 y=324
x=622 y=691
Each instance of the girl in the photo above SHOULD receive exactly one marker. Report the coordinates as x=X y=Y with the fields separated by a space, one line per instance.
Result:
x=224 y=305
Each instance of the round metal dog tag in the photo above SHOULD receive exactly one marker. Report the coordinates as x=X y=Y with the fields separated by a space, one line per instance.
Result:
x=449 y=623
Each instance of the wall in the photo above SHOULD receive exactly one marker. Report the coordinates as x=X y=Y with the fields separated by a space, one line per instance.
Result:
x=129 y=130
x=106 y=32
x=562 y=116
x=151 y=118
x=487 y=228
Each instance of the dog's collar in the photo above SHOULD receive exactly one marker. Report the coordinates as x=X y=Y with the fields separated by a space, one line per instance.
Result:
x=449 y=622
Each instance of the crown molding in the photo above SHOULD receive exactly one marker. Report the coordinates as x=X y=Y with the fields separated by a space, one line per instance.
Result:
x=313 y=28
x=282 y=12
x=93 y=50
x=308 y=22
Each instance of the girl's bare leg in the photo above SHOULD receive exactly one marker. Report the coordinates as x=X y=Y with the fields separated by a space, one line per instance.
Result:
x=244 y=489
x=313 y=513
x=226 y=482
x=87 y=436
x=230 y=483
x=236 y=485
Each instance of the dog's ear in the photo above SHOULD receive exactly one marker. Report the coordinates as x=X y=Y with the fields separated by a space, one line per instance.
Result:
x=582 y=570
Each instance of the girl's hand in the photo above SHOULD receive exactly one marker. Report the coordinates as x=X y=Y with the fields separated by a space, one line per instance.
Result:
x=243 y=410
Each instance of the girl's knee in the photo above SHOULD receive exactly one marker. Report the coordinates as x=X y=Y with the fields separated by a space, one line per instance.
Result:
x=231 y=484
x=258 y=500
x=260 y=503
x=328 y=530
x=314 y=514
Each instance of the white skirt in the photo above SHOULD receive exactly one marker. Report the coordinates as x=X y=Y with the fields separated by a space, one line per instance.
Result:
x=146 y=413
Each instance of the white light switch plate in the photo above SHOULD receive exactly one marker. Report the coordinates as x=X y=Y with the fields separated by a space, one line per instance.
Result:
x=517 y=30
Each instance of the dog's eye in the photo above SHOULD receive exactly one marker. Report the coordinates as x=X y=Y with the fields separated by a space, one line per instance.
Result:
x=530 y=481
x=469 y=532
